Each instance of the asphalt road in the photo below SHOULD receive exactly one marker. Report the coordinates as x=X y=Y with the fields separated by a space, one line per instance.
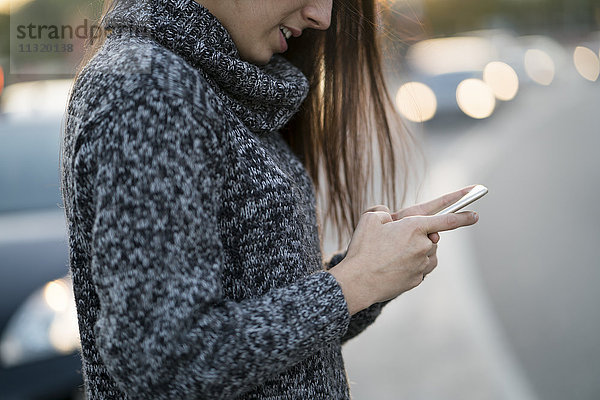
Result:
x=512 y=310
x=537 y=248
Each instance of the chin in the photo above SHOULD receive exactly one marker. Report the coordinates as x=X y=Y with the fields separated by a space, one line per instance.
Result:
x=258 y=59
x=261 y=62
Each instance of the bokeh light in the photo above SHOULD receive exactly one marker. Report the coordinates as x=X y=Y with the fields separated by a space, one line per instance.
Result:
x=503 y=80
x=539 y=66
x=416 y=101
x=475 y=98
x=36 y=97
x=8 y=6
x=451 y=54
x=586 y=63
x=63 y=332
x=1 y=79
x=56 y=294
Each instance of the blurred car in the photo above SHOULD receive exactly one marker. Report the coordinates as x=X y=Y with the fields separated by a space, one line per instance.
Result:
x=467 y=74
x=39 y=342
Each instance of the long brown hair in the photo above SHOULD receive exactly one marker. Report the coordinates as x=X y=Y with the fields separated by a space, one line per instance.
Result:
x=347 y=108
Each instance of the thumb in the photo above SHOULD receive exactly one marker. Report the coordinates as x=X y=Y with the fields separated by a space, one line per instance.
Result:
x=434 y=237
x=379 y=207
x=384 y=217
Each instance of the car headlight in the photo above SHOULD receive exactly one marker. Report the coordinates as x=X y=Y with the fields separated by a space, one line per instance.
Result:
x=475 y=98
x=45 y=325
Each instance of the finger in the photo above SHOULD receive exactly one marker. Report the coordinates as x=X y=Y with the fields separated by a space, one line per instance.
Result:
x=384 y=217
x=433 y=206
x=448 y=222
x=432 y=251
x=434 y=237
x=444 y=201
x=433 y=261
x=379 y=207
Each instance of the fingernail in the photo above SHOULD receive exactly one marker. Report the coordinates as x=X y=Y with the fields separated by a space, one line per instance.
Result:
x=475 y=216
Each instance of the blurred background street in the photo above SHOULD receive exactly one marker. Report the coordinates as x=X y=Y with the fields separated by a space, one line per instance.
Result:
x=503 y=93
x=511 y=310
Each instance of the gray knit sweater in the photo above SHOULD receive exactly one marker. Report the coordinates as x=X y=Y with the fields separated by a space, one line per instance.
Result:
x=193 y=237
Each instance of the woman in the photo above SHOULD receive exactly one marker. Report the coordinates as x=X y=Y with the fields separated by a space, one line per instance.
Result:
x=194 y=243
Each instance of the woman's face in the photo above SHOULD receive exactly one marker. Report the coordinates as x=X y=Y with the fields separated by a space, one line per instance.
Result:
x=261 y=28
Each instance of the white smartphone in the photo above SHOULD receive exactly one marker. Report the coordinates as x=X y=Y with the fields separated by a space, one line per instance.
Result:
x=474 y=194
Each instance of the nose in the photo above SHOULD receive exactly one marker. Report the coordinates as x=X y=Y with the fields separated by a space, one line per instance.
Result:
x=318 y=14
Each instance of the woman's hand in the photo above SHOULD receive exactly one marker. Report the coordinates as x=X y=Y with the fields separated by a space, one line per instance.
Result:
x=429 y=208
x=388 y=256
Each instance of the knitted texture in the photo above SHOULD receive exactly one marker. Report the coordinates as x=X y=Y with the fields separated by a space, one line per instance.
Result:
x=193 y=239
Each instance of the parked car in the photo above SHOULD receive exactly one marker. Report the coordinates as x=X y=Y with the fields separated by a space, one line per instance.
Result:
x=470 y=74
x=39 y=342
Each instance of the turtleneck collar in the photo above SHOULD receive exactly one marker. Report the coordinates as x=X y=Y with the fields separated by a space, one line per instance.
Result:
x=263 y=97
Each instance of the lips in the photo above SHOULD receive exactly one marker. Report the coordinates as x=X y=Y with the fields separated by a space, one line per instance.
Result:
x=283 y=42
x=295 y=32
x=286 y=31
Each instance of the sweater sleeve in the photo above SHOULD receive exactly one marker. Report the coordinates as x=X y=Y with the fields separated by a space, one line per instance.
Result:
x=362 y=319
x=164 y=329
